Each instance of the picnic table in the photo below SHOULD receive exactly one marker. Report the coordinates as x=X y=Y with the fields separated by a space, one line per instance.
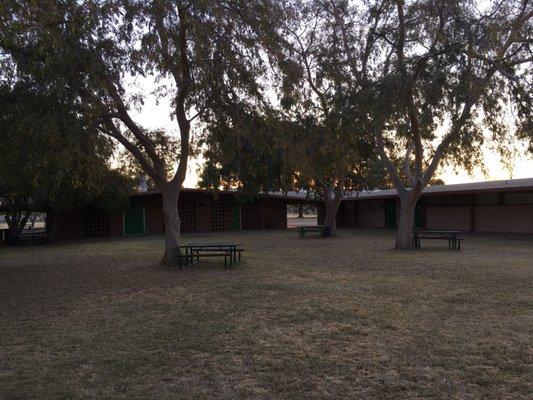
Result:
x=29 y=237
x=454 y=241
x=320 y=229
x=193 y=252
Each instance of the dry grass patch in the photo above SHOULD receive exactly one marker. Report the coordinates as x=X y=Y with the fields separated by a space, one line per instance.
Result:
x=344 y=317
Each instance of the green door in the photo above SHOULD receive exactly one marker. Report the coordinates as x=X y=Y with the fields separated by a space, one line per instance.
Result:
x=391 y=214
x=134 y=218
x=419 y=216
x=235 y=215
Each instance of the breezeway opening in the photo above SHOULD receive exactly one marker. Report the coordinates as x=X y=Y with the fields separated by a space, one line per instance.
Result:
x=303 y=214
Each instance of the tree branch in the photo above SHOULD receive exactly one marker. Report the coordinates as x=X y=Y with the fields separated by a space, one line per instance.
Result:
x=123 y=114
x=183 y=92
x=391 y=168
x=111 y=130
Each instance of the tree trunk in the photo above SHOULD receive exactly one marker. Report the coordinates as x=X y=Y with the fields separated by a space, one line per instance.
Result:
x=13 y=231
x=404 y=236
x=52 y=222
x=16 y=221
x=332 y=207
x=172 y=227
x=300 y=210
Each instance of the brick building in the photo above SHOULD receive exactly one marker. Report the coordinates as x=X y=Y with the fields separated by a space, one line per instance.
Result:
x=497 y=206
x=199 y=211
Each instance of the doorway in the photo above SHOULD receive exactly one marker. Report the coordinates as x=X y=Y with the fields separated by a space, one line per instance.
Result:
x=134 y=218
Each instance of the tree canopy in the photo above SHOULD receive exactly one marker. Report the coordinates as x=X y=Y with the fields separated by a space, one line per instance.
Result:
x=441 y=76
x=297 y=94
x=51 y=162
x=204 y=56
x=308 y=137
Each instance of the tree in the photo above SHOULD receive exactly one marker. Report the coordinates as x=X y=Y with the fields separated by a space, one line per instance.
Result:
x=431 y=82
x=327 y=163
x=202 y=54
x=308 y=137
x=166 y=146
x=50 y=161
x=242 y=152
x=329 y=153
x=432 y=64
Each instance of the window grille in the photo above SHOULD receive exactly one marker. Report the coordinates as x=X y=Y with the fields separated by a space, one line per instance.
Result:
x=221 y=213
x=95 y=223
x=251 y=215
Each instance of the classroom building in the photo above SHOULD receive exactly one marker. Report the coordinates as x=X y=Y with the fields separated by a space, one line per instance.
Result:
x=496 y=207
x=199 y=211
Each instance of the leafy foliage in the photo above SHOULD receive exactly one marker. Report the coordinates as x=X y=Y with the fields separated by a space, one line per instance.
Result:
x=244 y=153
x=165 y=145
x=203 y=55
x=51 y=161
x=311 y=140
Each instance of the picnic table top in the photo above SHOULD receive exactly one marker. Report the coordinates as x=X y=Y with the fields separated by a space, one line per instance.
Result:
x=211 y=245
x=433 y=231
x=32 y=232
x=309 y=226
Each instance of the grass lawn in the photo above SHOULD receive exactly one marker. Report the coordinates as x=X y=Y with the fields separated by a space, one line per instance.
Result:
x=344 y=317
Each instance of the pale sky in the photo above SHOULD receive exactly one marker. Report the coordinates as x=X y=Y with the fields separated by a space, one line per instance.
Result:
x=154 y=116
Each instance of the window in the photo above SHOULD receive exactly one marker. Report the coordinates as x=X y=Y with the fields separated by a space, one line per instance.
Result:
x=251 y=215
x=221 y=213
x=187 y=212
x=95 y=223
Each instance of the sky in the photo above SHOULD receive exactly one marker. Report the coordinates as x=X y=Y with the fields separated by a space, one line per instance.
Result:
x=156 y=115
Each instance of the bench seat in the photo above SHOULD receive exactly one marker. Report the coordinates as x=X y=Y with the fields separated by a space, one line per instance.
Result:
x=452 y=242
x=196 y=254
x=303 y=230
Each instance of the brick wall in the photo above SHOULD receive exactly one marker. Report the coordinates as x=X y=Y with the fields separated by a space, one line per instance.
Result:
x=273 y=214
x=70 y=226
x=371 y=217
x=116 y=224
x=456 y=218
x=153 y=214
x=509 y=218
x=346 y=217
x=204 y=205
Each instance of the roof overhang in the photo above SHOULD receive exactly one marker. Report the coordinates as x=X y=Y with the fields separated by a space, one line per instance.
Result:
x=510 y=185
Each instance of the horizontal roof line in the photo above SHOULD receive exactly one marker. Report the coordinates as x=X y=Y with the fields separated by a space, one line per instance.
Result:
x=508 y=184
x=525 y=183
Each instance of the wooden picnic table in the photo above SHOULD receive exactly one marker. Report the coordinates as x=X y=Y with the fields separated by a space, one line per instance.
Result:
x=27 y=237
x=304 y=230
x=454 y=241
x=193 y=252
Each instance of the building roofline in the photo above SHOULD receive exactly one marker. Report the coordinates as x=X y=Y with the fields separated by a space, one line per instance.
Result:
x=292 y=195
x=458 y=188
x=463 y=188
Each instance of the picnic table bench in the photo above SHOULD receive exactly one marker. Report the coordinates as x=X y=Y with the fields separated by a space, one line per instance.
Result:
x=33 y=238
x=320 y=229
x=454 y=241
x=193 y=252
